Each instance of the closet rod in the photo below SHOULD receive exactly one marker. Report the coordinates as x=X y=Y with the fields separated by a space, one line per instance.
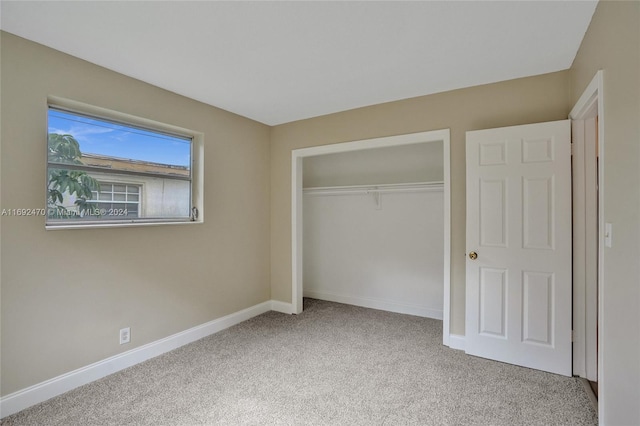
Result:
x=375 y=189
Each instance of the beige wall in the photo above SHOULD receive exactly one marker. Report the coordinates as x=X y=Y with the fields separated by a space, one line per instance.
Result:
x=527 y=100
x=65 y=294
x=420 y=162
x=612 y=44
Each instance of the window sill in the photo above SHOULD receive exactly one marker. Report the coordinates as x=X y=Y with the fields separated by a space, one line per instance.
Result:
x=57 y=227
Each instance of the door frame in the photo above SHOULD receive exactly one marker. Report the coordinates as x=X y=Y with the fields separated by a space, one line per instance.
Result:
x=591 y=98
x=297 y=157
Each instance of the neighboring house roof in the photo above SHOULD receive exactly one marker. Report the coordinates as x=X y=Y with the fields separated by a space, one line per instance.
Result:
x=105 y=163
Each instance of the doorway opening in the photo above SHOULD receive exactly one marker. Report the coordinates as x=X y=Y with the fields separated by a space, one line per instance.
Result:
x=298 y=157
x=588 y=232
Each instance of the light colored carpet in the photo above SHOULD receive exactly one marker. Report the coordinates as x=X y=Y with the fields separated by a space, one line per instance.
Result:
x=332 y=365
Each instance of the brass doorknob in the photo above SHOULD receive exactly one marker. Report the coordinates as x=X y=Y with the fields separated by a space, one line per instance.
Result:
x=473 y=255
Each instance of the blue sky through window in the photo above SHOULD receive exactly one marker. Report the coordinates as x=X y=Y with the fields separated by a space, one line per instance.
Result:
x=118 y=140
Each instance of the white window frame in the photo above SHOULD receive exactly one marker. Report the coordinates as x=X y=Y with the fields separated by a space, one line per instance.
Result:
x=197 y=166
x=113 y=183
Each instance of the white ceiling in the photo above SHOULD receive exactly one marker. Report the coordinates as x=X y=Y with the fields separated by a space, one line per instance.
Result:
x=277 y=62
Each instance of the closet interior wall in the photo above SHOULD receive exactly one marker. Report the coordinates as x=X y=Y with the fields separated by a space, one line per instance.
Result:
x=373 y=228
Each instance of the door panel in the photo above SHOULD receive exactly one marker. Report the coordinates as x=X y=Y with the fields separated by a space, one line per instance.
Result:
x=493 y=212
x=493 y=302
x=538 y=213
x=519 y=223
x=537 y=304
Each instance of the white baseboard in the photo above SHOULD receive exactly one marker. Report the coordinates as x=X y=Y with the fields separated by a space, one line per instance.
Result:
x=384 y=305
x=40 y=392
x=456 y=341
x=283 y=307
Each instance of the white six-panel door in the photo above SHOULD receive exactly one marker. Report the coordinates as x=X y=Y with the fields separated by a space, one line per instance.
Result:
x=518 y=295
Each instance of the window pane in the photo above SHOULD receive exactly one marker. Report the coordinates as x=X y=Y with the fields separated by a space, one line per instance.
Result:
x=97 y=166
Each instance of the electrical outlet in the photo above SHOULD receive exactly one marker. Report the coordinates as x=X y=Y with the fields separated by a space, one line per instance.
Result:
x=125 y=335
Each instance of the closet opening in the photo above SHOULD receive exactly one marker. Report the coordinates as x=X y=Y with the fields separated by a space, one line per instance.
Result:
x=371 y=224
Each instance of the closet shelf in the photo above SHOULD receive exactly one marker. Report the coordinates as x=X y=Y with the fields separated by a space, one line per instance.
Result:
x=375 y=189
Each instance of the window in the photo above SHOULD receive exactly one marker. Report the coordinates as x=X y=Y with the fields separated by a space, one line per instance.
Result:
x=103 y=170
x=112 y=199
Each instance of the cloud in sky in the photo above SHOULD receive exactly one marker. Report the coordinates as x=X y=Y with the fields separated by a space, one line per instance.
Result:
x=82 y=133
